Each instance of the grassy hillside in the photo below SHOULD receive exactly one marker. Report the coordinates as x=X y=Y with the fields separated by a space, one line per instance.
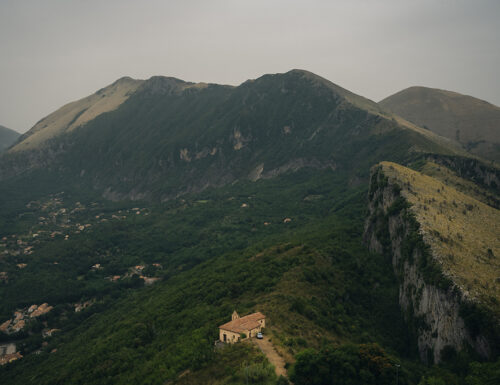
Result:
x=472 y=122
x=449 y=177
x=461 y=230
x=77 y=113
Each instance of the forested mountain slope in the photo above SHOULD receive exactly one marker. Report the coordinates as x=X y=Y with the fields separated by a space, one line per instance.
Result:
x=171 y=137
x=226 y=249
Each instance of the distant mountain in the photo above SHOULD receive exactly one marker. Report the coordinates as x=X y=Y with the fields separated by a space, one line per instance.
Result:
x=162 y=137
x=472 y=122
x=7 y=137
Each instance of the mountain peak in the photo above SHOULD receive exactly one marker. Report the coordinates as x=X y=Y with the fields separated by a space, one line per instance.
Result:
x=125 y=79
x=435 y=92
x=318 y=81
x=162 y=85
x=75 y=114
x=465 y=119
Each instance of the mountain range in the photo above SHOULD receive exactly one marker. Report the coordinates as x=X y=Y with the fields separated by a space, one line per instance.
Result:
x=192 y=136
x=145 y=214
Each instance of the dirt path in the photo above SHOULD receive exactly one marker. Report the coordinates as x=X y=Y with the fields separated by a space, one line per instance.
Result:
x=272 y=355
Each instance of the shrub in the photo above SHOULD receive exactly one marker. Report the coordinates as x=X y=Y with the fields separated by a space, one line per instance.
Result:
x=347 y=364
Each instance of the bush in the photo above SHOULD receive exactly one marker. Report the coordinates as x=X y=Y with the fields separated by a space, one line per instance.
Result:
x=432 y=381
x=347 y=364
x=484 y=373
x=282 y=381
x=259 y=373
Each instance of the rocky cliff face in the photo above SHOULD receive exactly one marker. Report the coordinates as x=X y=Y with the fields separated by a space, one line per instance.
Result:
x=431 y=302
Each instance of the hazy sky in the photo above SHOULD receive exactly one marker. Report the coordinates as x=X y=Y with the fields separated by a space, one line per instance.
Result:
x=56 y=51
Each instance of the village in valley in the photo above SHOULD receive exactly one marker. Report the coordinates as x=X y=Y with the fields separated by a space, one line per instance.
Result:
x=46 y=221
x=57 y=221
x=20 y=320
x=78 y=249
x=51 y=226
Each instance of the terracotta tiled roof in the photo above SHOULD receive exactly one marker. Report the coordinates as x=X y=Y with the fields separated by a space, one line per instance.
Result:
x=9 y=358
x=5 y=325
x=243 y=324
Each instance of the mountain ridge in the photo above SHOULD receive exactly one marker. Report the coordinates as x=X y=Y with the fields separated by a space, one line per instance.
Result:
x=472 y=122
x=74 y=114
x=444 y=251
x=171 y=137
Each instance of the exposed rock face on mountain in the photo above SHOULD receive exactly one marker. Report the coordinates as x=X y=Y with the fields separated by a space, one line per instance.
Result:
x=445 y=252
x=471 y=122
x=162 y=137
x=7 y=137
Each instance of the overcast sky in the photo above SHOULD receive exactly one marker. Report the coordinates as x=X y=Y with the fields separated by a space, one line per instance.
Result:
x=56 y=51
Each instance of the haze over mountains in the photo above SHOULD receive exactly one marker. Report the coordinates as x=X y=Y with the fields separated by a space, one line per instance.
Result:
x=7 y=137
x=472 y=122
x=353 y=228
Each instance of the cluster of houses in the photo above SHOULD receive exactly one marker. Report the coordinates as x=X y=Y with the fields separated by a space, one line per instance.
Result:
x=60 y=222
x=21 y=317
x=16 y=324
x=54 y=221
x=16 y=246
x=134 y=270
x=79 y=306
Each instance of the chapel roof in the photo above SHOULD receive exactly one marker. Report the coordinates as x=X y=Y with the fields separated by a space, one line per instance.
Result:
x=242 y=324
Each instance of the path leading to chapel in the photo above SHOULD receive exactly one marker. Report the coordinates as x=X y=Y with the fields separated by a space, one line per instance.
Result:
x=272 y=355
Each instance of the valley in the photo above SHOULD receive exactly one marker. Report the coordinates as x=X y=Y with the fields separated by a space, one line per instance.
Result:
x=140 y=217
